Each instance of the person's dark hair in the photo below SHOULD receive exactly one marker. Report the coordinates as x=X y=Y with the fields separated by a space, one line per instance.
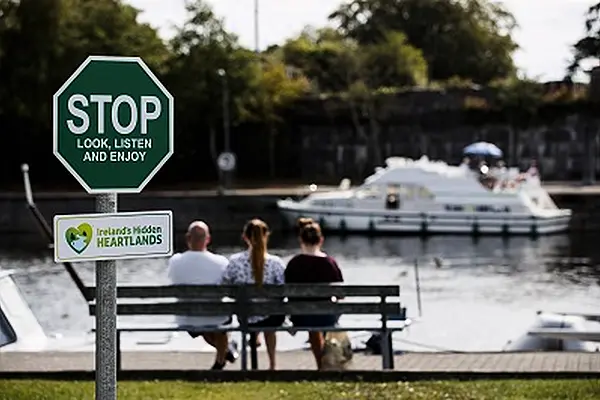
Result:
x=257 y=233
x=311 y=234
x=302 y=222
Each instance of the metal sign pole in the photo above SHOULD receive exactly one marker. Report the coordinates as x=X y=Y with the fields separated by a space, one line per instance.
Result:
x=106 y=316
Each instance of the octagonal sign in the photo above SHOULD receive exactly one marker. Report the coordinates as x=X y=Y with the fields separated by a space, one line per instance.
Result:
x=113 y=124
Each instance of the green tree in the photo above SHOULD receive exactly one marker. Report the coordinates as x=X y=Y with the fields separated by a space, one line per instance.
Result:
x=333 y=62
x=341 y=65
x=274 y=88
x=41 y=44
x=468 y=39
x=318 y=54
x=589 y=46
x=28 y=30
x=207 y=64
x=8 y=22
x=43 y=41
x=107 y=27
x=394 y=63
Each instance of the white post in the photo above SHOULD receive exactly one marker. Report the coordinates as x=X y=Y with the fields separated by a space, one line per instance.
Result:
x=256 y=27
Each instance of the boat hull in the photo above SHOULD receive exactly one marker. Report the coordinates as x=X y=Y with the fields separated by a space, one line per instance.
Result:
x=429 y=223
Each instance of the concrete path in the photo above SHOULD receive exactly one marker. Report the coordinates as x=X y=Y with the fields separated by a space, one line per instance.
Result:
x=549 y=362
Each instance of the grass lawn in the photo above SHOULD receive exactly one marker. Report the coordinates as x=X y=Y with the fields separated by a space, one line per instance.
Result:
x=173 y=390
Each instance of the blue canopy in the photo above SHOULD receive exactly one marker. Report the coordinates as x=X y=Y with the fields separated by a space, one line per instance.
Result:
x=483 y=149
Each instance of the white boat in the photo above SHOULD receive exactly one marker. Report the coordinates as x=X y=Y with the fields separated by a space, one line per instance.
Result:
x=553 y=331
x=431 y=197
x=20 y=331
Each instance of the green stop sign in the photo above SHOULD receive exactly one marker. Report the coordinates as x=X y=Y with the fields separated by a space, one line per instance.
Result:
x=113 y=124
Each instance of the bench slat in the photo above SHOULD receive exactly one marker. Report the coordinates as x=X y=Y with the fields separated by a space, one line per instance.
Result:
x=179 y=291
x=265 y=308
x=319 y=290
x=376 y=325
x=196 y=309
x=218 y=291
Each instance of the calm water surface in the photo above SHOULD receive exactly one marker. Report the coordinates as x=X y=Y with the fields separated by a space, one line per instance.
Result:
x=485 y=293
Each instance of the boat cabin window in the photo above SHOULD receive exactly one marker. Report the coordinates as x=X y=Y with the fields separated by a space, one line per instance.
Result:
x=454 y=207
x=488 y=208
x=402 y=191
x=323 y=203
x=425 y=193
x=413 y=192
x=369 y=193
x=7 y=334
x=481 y=208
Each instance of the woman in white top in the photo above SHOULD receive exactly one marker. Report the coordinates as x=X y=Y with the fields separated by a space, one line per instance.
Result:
x=257 y=266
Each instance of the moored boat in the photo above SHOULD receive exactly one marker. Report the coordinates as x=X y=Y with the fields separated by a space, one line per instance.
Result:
x=560 y=332
x=431 y=197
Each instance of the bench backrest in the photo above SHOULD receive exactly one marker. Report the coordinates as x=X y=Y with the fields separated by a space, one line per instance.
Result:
x=207 y=300
x=251 y=291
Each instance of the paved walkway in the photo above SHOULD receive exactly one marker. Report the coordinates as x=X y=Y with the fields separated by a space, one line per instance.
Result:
x=571 y=188
x=548 y=362
x=274 y=191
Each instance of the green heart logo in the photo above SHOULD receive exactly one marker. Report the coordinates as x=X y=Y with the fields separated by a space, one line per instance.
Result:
x=79 y=238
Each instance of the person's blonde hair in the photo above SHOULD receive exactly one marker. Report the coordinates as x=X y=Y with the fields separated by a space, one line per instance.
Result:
x=257 y=233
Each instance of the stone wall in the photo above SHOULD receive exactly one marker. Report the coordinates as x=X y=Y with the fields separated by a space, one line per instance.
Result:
x=565 y=149
x=337 y=138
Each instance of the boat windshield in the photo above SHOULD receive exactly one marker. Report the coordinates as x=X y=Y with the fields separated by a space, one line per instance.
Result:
x=506 y=181
x=405 y=191
x=369 y=192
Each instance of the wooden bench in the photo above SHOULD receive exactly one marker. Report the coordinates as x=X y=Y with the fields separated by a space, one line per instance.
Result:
x=245 y=301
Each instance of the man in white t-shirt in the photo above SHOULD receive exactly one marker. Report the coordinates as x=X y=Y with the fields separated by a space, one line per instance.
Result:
x=198 y=266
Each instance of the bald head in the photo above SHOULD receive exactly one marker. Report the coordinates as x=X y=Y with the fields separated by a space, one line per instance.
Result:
x=198 y=236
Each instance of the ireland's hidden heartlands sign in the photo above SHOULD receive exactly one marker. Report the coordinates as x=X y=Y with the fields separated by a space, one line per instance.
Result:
x=84 y=237
x=113 y=124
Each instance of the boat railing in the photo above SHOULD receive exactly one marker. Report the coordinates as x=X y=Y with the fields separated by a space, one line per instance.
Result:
x=47 y=231
x=31 y=270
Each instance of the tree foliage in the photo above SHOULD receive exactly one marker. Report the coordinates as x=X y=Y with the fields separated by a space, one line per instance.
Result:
x=43 y=41
x=378 y=46
x=459 y=38
x=589 y=46
x=333 y=62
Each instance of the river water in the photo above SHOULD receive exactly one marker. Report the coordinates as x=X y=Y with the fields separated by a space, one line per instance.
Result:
x=485 y=292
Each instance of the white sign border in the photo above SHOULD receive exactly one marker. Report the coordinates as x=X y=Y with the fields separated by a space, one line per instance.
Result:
x=169 y=213
x=171 y=101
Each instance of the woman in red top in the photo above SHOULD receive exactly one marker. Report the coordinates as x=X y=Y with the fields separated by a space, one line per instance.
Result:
x=313 y=266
